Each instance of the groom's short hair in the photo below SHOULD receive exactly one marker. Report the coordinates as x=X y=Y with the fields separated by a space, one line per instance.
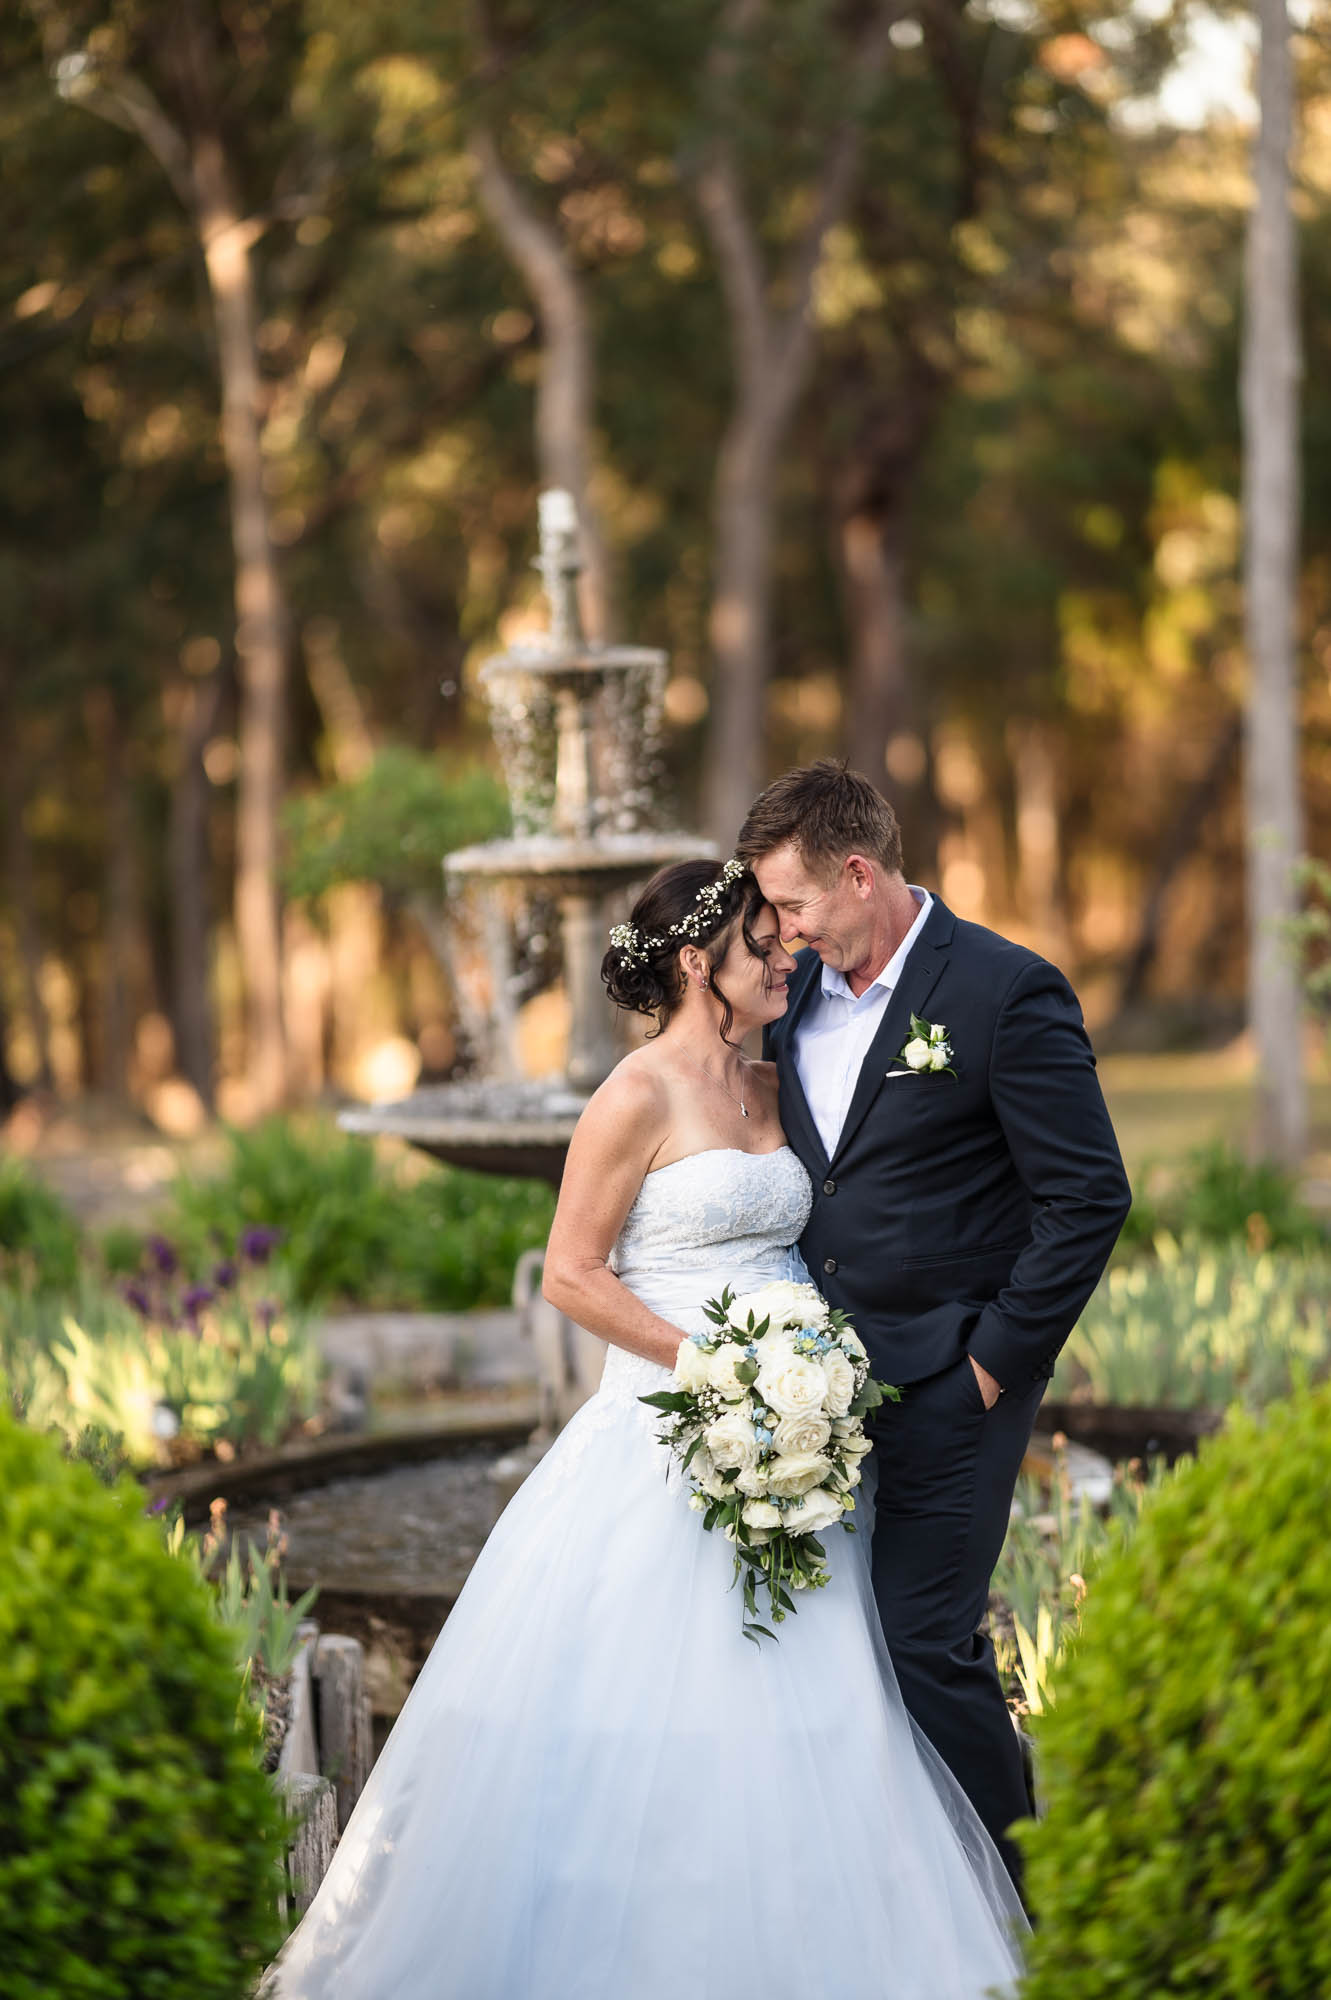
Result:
x=827 y=812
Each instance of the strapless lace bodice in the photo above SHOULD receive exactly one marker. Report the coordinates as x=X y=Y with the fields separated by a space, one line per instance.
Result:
x=718 y=1218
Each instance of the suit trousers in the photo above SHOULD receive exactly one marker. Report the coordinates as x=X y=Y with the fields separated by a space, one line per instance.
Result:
x=946 y=1469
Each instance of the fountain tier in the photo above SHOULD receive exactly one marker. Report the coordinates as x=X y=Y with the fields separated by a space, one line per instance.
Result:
x=577 y=727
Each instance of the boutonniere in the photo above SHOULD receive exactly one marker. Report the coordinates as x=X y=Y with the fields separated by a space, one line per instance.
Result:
x=928 y=1047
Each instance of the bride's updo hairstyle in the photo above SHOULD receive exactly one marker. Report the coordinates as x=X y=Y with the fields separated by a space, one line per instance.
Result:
x=690 y=902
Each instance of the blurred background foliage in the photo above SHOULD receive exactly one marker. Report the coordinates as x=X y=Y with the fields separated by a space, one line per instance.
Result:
x=1003 y=511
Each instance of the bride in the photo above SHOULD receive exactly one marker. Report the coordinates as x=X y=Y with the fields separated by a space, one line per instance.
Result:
x=598 y=1789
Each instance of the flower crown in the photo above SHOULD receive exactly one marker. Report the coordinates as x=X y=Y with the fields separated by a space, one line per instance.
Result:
x=637 y=946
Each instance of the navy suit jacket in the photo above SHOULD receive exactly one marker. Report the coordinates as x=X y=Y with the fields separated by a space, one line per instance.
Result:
x=973 y=1213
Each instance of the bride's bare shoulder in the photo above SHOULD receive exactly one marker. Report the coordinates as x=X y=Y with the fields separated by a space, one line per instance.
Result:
x=631 y=1108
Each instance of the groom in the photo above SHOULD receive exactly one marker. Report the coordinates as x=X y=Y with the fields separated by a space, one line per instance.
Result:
x=961 y=1218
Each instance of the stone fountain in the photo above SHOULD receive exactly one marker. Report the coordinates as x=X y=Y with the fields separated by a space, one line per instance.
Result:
x=577 y=726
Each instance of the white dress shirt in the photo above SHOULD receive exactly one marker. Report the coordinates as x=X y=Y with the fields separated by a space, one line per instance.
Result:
x=835 y=1031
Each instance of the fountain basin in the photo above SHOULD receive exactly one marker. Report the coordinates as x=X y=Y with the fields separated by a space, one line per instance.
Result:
x=518 y=1129
x=586 y=866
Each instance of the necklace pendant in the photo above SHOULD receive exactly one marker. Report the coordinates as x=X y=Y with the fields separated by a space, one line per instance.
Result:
x=743 y=1110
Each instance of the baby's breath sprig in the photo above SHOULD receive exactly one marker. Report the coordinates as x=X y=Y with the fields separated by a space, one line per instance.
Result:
x=702 y=917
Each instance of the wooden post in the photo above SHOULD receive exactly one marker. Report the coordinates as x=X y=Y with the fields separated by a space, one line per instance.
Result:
x=343 y=1719
x=312 y=1802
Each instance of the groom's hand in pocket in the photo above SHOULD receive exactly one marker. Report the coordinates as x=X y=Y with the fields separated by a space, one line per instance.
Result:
x=990 y=1387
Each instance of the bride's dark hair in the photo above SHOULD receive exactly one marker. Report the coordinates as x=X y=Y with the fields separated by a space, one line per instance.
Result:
x=644 y=974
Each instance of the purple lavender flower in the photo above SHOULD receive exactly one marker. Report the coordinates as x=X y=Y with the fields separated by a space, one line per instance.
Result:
x=266 y=1312
x=224 y=1274
x=160 y=1505
x=137 y=1296
x=163 y=1256
x=194 y=1301
x=258 y=1244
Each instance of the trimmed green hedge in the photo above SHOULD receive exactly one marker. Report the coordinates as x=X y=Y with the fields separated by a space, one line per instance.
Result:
x=139 y=1839
x=1187 y=1765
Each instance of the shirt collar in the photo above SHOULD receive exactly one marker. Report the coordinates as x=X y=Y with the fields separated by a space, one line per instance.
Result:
x=834 y=983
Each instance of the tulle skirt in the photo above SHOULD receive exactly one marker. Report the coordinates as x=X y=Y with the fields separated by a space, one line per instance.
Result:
x=599 y=1789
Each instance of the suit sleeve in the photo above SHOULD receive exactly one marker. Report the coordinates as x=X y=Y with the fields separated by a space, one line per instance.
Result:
x=1052 y=1112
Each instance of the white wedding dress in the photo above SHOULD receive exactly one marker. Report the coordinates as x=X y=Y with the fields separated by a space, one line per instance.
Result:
x=598 y=1789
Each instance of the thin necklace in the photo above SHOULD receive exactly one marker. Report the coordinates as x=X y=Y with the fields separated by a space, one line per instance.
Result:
x=743 y=1107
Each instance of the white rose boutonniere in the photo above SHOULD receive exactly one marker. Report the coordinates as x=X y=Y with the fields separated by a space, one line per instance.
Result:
x=928 y=1047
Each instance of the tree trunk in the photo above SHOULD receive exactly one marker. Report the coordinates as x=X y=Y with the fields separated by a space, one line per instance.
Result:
x=878 y=700
x=120 y=909
x=262 y=632
x=192 y=156
x=20 y=879
x=188 y=869
x=1271 y=367
x=565 y=393
x=1033 y=752
x=740 y=618
x=10 y=1093
x=1178 y=843
x=773 y=351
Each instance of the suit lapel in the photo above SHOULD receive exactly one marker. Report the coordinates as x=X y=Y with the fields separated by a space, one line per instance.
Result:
x=795 y=1113
x=924 y=964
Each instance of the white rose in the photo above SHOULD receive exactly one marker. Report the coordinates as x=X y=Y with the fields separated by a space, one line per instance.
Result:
x=852 y=1344
x=721 y=1372
x=787 y=1478
x=794 y=1435
x=692 y=1367
x=703 y=1473
x=815 y=1512
x=916 y=1054
x=938 y=1033
x=938 y=1058
x=856 y=1446
x=752 y=1481
x=840 y=1379
x=791 y=1385
x=783 y=1304
x=761 y=1514
x=731 y=1442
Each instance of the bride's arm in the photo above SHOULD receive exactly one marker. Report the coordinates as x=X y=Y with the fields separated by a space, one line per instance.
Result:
x=616 y=1139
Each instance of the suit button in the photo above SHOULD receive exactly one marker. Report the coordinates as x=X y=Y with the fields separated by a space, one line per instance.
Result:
x=829 y=1265
x=829 y=1187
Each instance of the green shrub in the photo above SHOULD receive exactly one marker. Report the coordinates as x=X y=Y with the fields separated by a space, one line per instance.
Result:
x=393 y=825
x=39 y=1239
x=352 y=1228
x=1219 y=1196
x=1198 y=1326
x=139 y=1839
x=1187 y=1765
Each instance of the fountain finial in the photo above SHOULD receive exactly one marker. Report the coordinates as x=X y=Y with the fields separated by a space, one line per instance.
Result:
x=560 y=565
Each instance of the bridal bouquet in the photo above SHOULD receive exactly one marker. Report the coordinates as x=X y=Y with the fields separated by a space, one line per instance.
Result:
x=767 y=1421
